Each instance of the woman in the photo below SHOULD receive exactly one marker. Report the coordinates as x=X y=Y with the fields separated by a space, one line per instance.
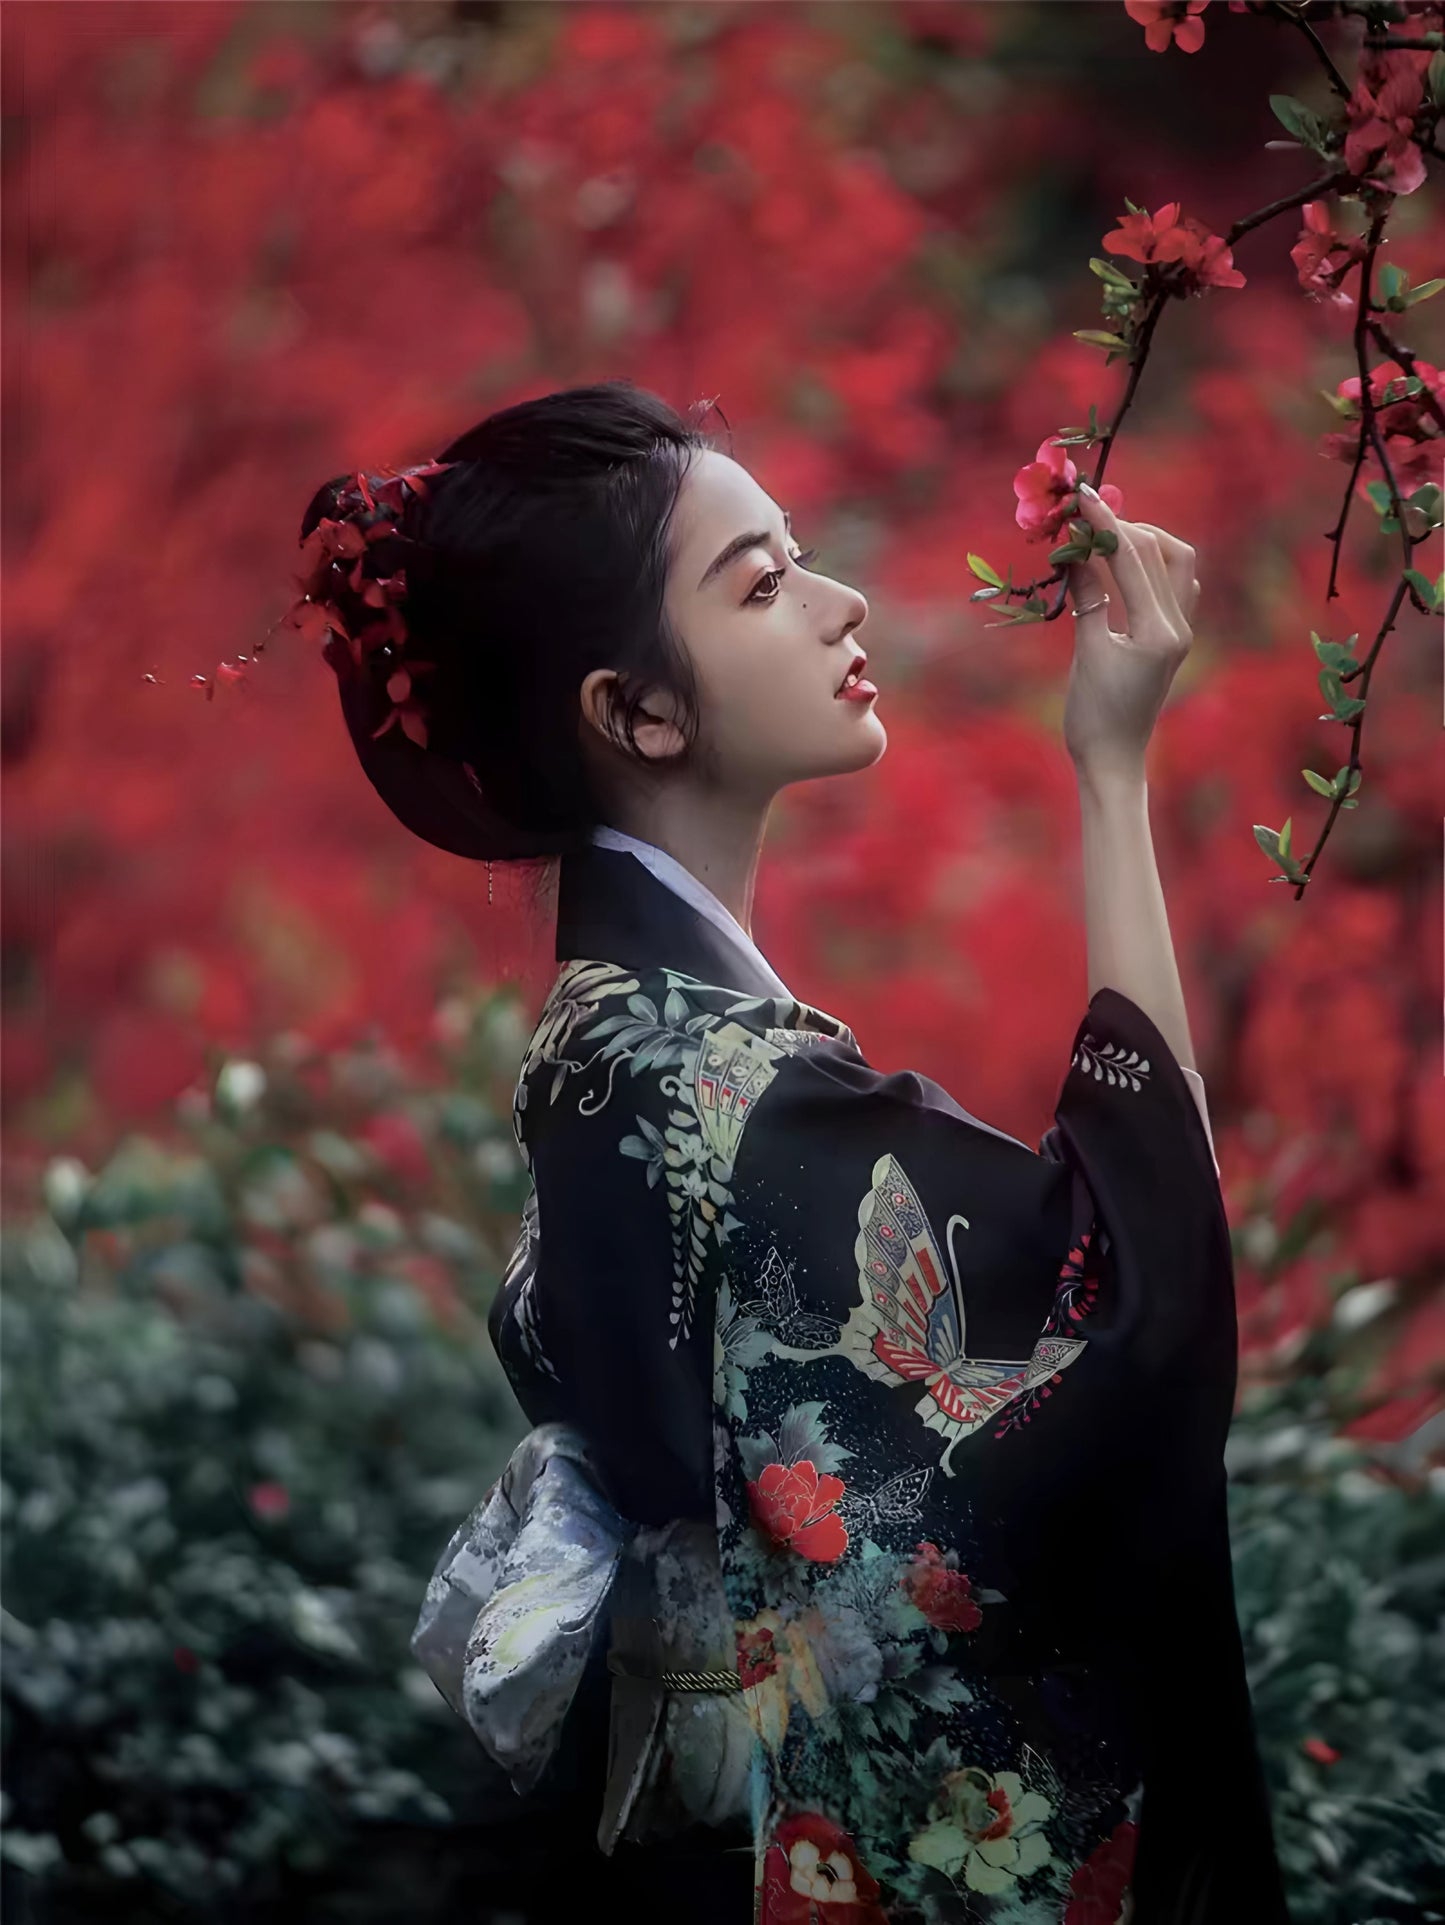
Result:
x=878 y=1457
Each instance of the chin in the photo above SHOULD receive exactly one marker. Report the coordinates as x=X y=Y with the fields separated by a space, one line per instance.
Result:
x=869 y=742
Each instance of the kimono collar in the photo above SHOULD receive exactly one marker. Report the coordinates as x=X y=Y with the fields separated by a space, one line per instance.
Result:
x=624 y=901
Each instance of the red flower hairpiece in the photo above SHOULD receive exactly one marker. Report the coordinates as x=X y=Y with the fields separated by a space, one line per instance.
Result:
x=335 y=557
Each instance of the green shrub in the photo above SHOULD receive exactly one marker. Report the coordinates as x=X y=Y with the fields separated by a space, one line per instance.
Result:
x=248 y=1393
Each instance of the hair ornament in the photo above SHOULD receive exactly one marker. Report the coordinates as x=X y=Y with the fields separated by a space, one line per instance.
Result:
x=338 y=557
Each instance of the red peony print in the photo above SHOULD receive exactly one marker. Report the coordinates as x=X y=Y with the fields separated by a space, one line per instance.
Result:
x=1099 y=1887
x=812 y=1875
x=793 y=1504
x=757 y=1656
x=942 y=1592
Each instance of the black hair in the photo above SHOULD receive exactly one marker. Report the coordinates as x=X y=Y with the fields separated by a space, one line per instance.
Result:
x=541 y=556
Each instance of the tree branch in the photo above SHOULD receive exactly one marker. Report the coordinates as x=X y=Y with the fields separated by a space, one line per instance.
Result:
x=1297 y=199
x=1406 y=358
x=1337 y=79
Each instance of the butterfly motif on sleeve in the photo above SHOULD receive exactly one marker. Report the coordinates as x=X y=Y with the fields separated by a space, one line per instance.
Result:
x=910 y=1326
x=778 y=1311
x=898 y=1501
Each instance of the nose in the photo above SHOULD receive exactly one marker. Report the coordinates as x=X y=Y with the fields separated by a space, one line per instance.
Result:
x=857 y=604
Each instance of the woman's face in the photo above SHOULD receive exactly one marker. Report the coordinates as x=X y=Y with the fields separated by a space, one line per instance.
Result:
x=771 y=641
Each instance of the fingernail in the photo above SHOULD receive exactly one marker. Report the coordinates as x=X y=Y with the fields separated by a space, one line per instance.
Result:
x=1085 y=489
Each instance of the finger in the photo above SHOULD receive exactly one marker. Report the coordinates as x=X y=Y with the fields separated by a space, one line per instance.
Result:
x=1136 y=586
x=1179 y=563
x=1146 y=546
x=1089 y=588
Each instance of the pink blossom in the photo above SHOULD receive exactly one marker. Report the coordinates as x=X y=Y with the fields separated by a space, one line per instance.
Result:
x=1204 y=259
x=1166 y=21
x=1047 y=488
x=1380 y=120
x=1323 y=257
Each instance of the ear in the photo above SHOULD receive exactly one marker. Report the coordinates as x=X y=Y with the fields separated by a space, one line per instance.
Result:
x=657 y=726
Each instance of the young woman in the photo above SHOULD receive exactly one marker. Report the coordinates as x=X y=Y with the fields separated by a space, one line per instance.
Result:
x=876 y=1493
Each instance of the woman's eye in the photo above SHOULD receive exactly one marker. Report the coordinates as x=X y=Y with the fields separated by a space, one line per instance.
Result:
x=776 y=574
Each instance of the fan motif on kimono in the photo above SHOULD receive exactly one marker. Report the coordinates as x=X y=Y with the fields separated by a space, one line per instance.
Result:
x=910 y=1326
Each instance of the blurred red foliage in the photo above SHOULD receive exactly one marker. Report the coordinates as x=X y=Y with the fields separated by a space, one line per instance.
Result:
x=246 y=252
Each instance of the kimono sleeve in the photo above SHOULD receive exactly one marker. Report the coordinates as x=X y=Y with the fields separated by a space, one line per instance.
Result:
x=996 y=1385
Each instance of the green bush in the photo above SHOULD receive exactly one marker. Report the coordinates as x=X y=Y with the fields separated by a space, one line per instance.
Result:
x=247 y=1395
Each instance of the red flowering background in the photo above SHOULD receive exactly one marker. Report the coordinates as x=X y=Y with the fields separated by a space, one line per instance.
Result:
x=250 y=246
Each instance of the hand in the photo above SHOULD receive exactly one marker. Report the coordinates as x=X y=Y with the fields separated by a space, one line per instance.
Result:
x=1118 y=681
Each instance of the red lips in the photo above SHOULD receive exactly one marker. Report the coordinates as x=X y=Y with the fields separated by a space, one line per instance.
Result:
x=855 y=668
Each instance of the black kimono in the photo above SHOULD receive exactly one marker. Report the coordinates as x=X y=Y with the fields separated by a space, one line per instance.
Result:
x=916 y=1435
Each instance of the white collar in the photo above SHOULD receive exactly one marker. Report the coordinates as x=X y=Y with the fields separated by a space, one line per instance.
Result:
x=697 y=895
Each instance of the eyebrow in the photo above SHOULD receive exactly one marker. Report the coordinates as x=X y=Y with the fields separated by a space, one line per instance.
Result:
x=739 y=545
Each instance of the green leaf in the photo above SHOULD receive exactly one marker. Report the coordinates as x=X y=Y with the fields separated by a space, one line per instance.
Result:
x=1071 y=551
x=1025 y=614
x=984 y=571
x=1341 y=403
x=1393 y=280
x=985 y=594
x=1424 y=291
x=1107 y=271
x=1336 y=654
x=1275 y=844
x=1299 y=120
x=1318 y=783
x=1097 y=338
x=1428 y=592
x=1105 y=541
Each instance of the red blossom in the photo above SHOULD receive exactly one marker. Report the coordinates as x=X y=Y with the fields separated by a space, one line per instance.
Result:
x=269 y=1499
x=1166 y=21
x=1317 y=1749
x=1410 y=432
x=942 y=1592
x=185 y=1658
x=1099 y=1887
x=793 y=1504
x=1380 y=120
x=812 y=1875
x=1323 y=257
x=1199 y=258
x=1047 y=490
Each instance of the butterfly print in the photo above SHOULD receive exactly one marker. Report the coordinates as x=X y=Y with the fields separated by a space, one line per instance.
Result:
x=911 y=1326
x=898 y=1501
x=779 y=1312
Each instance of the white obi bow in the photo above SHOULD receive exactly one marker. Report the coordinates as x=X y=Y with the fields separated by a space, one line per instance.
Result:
x=514 y=1608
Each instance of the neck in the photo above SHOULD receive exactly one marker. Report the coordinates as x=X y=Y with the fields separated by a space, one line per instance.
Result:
x=716 y=838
